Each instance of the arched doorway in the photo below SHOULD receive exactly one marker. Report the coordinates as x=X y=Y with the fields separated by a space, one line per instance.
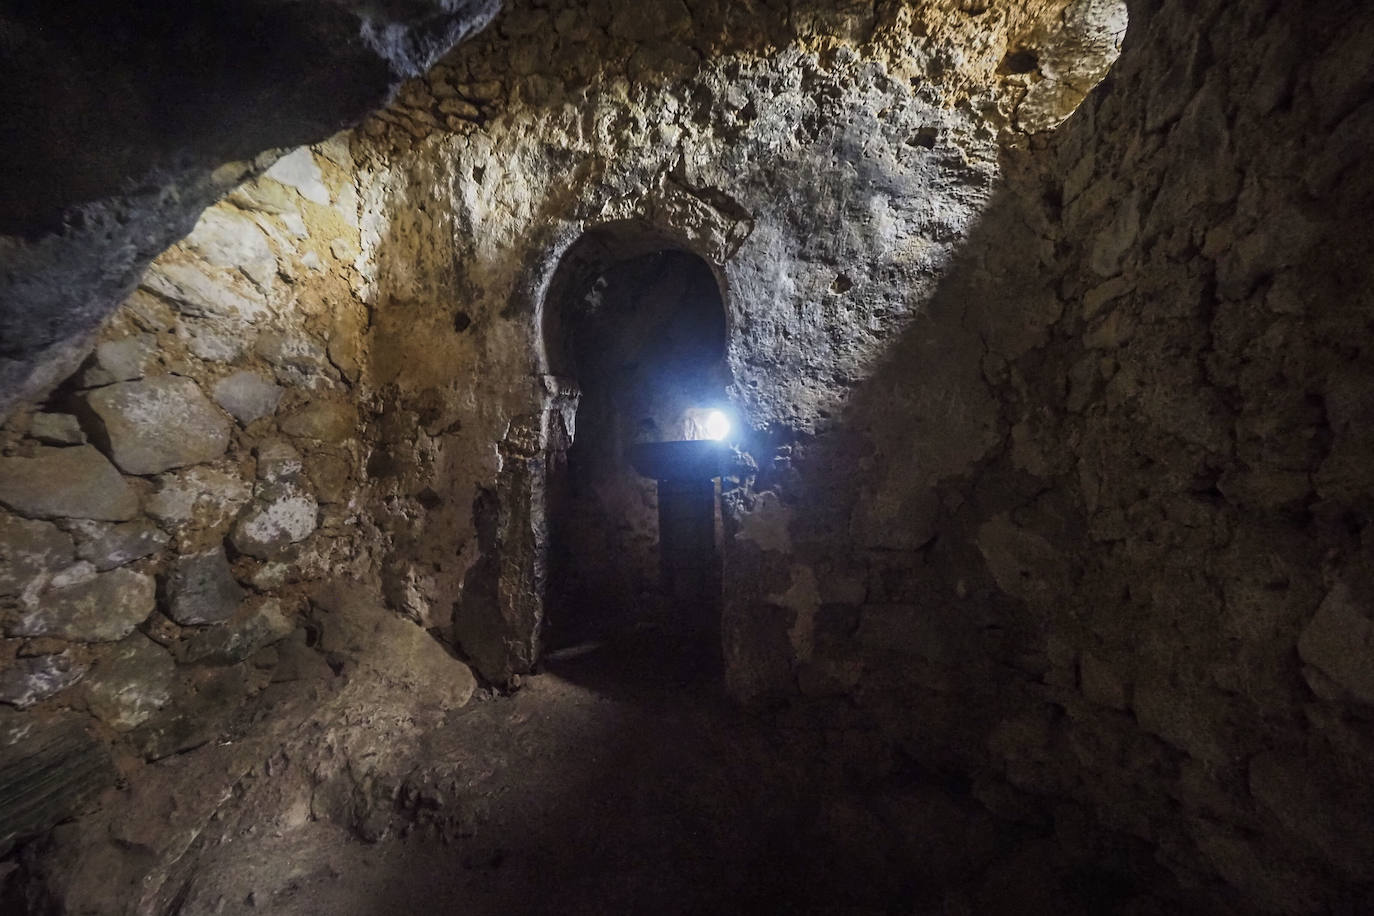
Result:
x=638 y=325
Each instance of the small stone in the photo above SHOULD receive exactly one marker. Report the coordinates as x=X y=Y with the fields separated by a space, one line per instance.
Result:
x=299 y=170
x=108 y=546
x=29 y=680
x=29 y=550
x=247 y=396
x=329 y=475
x=259 y=622
x=56 y=429
x=125 y=688
x=325 y=420
x=66 y=483
x=105 y=608
x=278 y=461
x=201 y=589
x=283 y=515
x=158 y=423
x=297 y=356
x=205 y=497
x=118 y=361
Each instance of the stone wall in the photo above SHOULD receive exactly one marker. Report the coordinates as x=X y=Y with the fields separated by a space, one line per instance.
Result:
x=1058 y=428
x=827 y=161
x=170 y=508
x=1056 y=432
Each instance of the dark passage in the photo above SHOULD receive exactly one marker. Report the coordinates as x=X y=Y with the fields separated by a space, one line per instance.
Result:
x=644 y=339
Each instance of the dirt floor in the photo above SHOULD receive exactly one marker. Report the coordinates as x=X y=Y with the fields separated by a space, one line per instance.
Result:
x=605 y=786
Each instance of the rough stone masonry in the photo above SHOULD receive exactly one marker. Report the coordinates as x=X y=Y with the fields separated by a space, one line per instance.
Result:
x=1051 y=365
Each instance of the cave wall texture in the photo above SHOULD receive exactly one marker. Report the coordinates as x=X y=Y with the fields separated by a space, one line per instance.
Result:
x=1060 y=429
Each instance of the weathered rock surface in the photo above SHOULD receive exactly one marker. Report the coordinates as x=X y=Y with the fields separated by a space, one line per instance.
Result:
x=281 y=515
x=66 y=483
x=30 y=550
x=131 y=683
x=198 y=500
x=119 y=360
x=158 y=424
x=247 y=396
x=107 y=546
x=48 y=772
x=201 y=589
x=258 y=622
x=56 y=429
x=25 y=681
x=102 y=608
x=325 y=419
x=356 y=627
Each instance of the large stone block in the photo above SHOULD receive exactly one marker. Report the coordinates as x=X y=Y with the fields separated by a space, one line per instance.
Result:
x=159 y=423
x=107 y=546
x=66 y=483
x=105 y=607
x=28 y=550
x=247 y=396
x=201 y=589
x=259 y=622
x=125 y=688
x=29 y=680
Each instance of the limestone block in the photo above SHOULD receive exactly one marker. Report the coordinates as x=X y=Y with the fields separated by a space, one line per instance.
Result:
x=29 y=680
x=232 y=241
x=1339 y=641
x=107 y=546
x=1022 y=562
x=201 y=589
x=282 y=515
x=247 y=396
x=66 y=483
x=56 y=429
x=325 y=420
x=118 y=360
x=125 y=688
x=278 y=461
x=200 y=295
x=159 y=423
x=299 y=170
x=201 y=497
x=297 y=357
x=398 y=652
x=102 y=608
x=259 y=622
x=28 y=550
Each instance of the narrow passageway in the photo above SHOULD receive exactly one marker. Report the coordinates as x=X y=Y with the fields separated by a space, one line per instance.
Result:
x=616 y=781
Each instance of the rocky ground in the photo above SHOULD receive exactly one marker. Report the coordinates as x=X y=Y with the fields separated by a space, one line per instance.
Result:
x=617 y=780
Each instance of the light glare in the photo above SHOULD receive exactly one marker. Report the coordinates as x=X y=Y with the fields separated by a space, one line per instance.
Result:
x=717 y=425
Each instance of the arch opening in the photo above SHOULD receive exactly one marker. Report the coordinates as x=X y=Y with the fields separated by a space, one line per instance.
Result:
x=638 y=325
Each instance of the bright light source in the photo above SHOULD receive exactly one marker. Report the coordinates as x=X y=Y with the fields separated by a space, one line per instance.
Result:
x=717 y=425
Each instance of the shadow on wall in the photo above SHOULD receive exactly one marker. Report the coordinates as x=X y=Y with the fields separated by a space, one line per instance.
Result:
x=1112 y=617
